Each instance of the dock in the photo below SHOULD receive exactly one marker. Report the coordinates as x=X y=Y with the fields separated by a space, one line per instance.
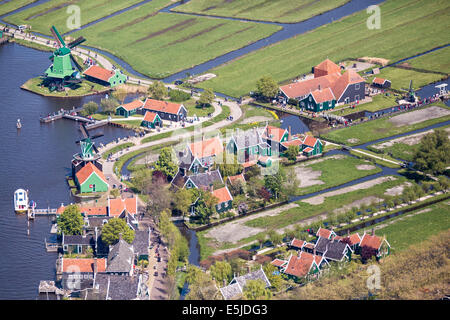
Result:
x=72 y=115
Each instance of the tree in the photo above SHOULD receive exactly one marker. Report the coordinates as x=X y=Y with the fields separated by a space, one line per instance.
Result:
x=182 y=200
x=261 y=238
x=141 y=179
x=109 y=105
x=165 y=163
x=112 y=230
x=275 y=237
x=201 y=285
x=292 y=152
x=159 y=197
x=434 y=152
x=230 y=167
x=71 y=221
x=206 y=98
x=157 y=90
x=120 y=93
x=256 y=290
x=236 y=188
x=274 y=183
x=89 y=108
x=274 y=276
x=114 y=193
x=267 y=87
x=220 y=271
x=237 y=265
x=290 y=182
x=253 y=171
x=264 y=194
x=443 y=183
x=205 y=206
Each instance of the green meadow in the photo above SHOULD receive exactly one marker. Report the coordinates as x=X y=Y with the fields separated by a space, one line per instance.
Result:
x=9 y=6
x=263 y=10
x=408 y=27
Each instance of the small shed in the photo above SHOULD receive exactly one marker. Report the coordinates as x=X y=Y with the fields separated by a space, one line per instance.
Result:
x=381 y=83
x=129 y=109
x=151 y=120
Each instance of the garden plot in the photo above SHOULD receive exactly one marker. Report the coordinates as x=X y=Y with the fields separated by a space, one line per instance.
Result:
x=364 y=185
x=365 y=167
x=308 y=177
x=395 y=191
x=418 y=116
x=357 y=204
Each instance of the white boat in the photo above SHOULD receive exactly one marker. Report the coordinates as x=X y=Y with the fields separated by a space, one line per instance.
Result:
x=20 y=200
x=18 y=124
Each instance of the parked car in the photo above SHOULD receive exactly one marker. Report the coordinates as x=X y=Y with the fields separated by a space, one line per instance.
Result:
x=178 y=82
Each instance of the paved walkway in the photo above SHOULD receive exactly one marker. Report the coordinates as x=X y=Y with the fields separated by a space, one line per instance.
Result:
x=376 y=157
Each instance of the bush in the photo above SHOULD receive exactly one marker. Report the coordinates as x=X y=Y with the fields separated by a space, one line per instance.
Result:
x=179 y=96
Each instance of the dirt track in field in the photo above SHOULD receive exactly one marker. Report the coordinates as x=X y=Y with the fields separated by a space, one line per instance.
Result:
x=188 y=22
x=195 y=35
x=418 y=116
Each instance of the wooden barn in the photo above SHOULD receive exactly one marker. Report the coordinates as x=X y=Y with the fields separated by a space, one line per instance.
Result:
x=105 y=77
x=381 y=83
x=129 y=109
x=151 y=120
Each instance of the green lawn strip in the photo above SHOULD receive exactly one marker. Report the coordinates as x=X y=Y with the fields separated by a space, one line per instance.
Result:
x=14 y=5
x=173 y=41
x=194 y=109
x=274 y=10
x=340 y=40
x=379 y=102
x=412 y=229
x=82 y=89
x=398 y=149
x=376 y=160
x=436 y=61
x=43 y=16
x=116 y=149
x=378 y=129
x=335 y=172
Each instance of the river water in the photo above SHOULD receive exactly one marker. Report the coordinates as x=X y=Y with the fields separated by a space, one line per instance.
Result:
x=36 y=157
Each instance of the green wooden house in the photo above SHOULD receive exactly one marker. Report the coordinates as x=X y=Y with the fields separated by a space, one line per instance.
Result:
x=151 y=120
x=312 y=146
x=247 y=146
x=129 y=109
x=105 y=77
x=90 y=179
x=318 y=101
x=274 y=137
x=225 y=199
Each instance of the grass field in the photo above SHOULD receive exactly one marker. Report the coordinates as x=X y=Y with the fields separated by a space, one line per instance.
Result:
x=415 y=228
x=377 y=129
x=334 y=172
x=379 y=102
x=161 y=44
x=9 y=6
x=193 y=109
x=340 y=40
x=263 y=10
x=84 y=88
x=43 y=16
x=376 y=160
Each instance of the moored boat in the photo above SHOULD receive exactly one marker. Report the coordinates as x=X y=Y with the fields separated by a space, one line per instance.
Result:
x=18 y=124
x=20 y=200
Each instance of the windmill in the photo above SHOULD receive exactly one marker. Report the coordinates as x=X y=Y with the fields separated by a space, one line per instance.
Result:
x=62 y=73
x=89 y=152
x=411 y=94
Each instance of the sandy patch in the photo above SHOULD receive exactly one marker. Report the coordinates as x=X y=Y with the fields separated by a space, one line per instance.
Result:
x=365 y=167
x=418 y=116
x=309 y=162
x=395 y=191
x=308 y=177
x=357 y=204
x=353 y=140
x=409 y=140
x=364 y=185
x=236 y=230
x=375 y=60
x=256 y=119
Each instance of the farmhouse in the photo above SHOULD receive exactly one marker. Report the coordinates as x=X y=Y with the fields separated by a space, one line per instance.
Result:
x=79 y=274
x=381 y=83
x=117 y=287
x=204 y=152
x=151 y=120
x=319 y=100
x=333 y=250
x=236 y=287
x=90 y=179
x=204 y=181
x=248 y=145
x=119 y=206
x=129 y=109
x=78 y=244
x=104 y=77
x=304 y=266
x=373 y=242
x=166 y=110
x=121 y=259
x=274 y=137
x=325 y=68
x=325 y=233
x=311 y=146
x=225 y=199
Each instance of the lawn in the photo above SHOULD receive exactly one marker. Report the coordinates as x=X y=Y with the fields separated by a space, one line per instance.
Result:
x=416 y=226
x=9 y=6
x=160 y=44
x=334 y=172
x=272 y=10
x=82 y=89
x=252 y=117
x=116 y=149
x=43 y=16
x=378 y=102
x=194 y=109
x=377 y=129
x=340 y=40
x=376 y=160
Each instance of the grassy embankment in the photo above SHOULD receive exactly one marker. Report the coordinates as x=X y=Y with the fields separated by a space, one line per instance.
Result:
x=14 y=5
x=340 y=40
x=274 y=10
x=116 y=149
x=173 y=41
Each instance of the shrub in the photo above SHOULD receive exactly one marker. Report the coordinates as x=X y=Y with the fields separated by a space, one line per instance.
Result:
x=179 y=96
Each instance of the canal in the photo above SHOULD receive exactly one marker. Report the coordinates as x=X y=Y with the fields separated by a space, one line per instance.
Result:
x=37 y=157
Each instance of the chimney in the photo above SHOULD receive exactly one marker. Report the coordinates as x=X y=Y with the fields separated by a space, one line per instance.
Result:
x=224 y=282
x=373 y=231
x=289 y=138
x=314 y=251
x=319 y=87
x=95 y=265
x=120 y=236
x=348 y=232
x=248 y=269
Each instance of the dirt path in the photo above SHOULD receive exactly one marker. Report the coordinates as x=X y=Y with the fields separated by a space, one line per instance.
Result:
x=418 y=116
x=377 y=157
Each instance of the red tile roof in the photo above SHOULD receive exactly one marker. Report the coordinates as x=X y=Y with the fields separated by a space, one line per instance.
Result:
x=308 y=150
x=349 y=77
x=86 y=172
x=273 y=133
x=324 y=233
x=99 y=73
x=354 y=239
x=371 y=241
x=278 y=262
x=206 y=148
x=326 y=67
x=297 y=243
x=299 y=266
x=150 y=116
x=94 y=211
x=310 y=141
x=296 y=142
x=222 y=194
x=323 y=95
x=303 y=88
x=309 y=245
x=379 y=81
x=236 y=178
x=249 y=163
x=83 y=265
x=132 y=105
x=117 y=206
x=162 y=106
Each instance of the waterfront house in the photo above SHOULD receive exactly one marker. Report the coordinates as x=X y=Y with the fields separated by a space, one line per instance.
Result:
x=274 y=137
x=381 y=83
x=349 y=88
x=301 y=89
x=353 y=241
x=121 y=259
x=248 y=145
x=380 y=245
x=78 y=274
x=118 y=206
x=90 y=179
x=166 y=110
x=151 y=120
x=333 y=250
x=225 y=199
x=141 y=244
x=311 y=146
x=78 y=244
x=116 y=287
x=129 y=109
x=236 y=287
x=318 y=100
x=105 y=77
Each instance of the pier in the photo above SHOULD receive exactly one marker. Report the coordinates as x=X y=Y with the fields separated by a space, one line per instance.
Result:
x=72 y=115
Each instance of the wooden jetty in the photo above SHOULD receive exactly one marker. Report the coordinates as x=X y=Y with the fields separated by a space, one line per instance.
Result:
x=71 y=115
x=51 y=246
